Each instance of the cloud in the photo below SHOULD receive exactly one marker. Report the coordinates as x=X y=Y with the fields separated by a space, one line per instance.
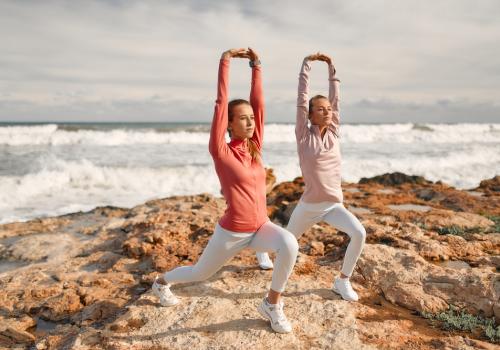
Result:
x=67 y=58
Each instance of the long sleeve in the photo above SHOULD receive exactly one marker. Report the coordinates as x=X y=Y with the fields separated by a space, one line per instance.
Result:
x=217 y=143
x=302 y=102
x=257 y=102
x=333 y=96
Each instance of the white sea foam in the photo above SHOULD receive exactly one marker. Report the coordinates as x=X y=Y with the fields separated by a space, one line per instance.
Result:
x=274 y=133
x=48 y=170
x=64 y=187
x=51 y=135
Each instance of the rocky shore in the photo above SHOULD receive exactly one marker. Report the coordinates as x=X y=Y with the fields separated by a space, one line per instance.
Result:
x=82 y=281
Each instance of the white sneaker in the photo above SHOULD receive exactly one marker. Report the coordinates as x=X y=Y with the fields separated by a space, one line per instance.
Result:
x=162 y=291
x=343 y=287
x=265 y=262
x=274 y=313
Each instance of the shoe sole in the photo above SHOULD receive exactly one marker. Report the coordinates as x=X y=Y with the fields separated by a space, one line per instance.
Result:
x=266 y=267
x=170 y=304
x=263 y=313
x=335 y=290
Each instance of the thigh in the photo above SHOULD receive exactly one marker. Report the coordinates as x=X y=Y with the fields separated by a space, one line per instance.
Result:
x=271 y=237
x=302 y=220
x=222 y=246
x=342 y=219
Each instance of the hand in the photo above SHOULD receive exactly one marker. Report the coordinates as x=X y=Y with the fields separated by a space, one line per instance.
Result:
x=252 y=55
x=240 y=53
x=320 y=57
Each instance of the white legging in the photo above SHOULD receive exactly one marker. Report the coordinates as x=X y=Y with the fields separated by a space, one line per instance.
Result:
x=307 y=214
x=225 y=244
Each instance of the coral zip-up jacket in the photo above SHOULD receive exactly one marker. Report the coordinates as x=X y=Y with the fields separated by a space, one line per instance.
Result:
x=243 y=180
x=319 y=157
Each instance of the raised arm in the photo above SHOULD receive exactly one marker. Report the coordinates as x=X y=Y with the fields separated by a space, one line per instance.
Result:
x=333 y=95
x=301 y=129
x=257 y=98
x=217 y=144
x=333 y=89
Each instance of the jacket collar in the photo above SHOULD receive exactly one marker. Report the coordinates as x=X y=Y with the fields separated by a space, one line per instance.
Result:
x=239 y=144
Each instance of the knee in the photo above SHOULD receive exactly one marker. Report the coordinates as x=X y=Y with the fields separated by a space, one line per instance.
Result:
x=293 y=231
x=359 y=234
x=290 y=244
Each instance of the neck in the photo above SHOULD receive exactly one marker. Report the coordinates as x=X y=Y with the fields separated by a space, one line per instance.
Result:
x=322 y=130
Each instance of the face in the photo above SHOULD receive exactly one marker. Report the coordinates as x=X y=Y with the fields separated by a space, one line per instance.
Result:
x=321 y=113
x=243 y=124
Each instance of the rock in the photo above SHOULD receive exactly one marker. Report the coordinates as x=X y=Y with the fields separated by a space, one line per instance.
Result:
x=394 y=179
x=90 y=274
x=61 y=306
x=289 y=191
x=428 y=194
x=216 y=314
x=270 y=180
x=15 y=336
x=285 y=212
x=408 y=280
x=40 y=247
x=317 y=248
x=101 y=310
x=439 y=219
x=492 y=184
x=14 y=331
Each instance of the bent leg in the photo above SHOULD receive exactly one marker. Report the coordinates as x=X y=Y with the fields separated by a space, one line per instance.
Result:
x=222 y=246
x=302 y=219
x=342 y=219
x=271 y=237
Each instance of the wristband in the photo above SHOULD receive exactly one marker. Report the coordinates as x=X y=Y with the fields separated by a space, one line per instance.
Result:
x=254 y=63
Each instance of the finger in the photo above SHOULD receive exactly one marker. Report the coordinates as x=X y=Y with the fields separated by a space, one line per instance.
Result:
x=242 y=55
x=245 y=52
x=236 y=51
x=252 y=51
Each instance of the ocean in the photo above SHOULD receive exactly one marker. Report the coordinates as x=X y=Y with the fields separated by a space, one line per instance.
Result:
x=54 y=169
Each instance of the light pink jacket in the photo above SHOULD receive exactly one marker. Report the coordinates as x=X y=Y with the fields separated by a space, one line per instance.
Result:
x=319 y=157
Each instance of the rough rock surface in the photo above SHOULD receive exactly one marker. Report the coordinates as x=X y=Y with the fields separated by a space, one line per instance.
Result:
x=82 y=281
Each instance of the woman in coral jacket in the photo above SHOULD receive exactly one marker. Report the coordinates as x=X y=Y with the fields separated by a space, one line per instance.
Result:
x=319 y=157
x=243 y=180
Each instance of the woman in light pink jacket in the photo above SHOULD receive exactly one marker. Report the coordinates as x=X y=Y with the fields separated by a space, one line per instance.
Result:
x=319 y=156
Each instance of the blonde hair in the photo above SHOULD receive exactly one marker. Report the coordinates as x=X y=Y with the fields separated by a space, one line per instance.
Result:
x=252 y=147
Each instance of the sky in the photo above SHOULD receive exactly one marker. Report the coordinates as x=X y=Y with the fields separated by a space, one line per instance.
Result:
x=426 y=61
